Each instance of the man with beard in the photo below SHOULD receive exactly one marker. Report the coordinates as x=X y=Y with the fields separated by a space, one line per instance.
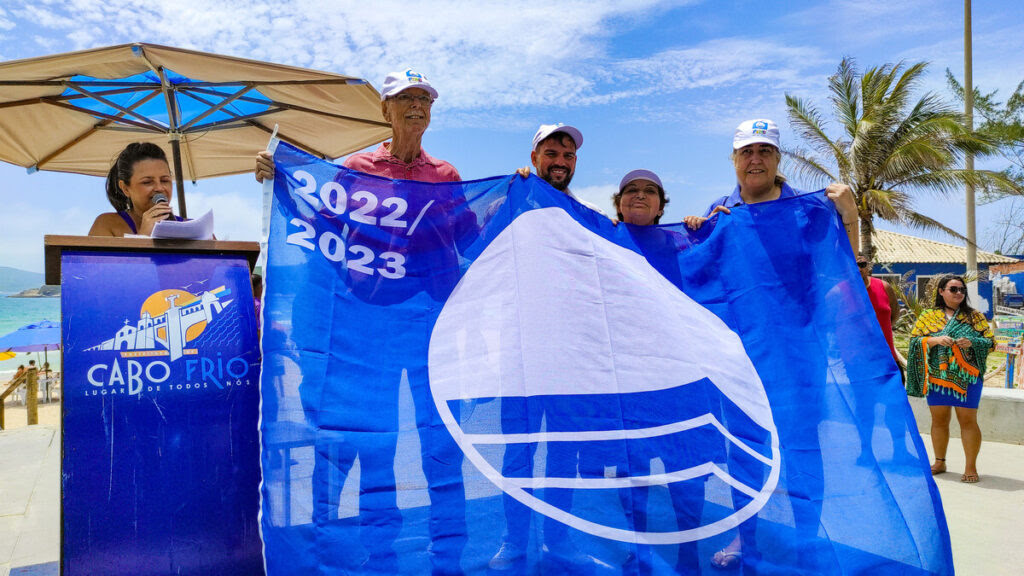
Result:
x=554 y=158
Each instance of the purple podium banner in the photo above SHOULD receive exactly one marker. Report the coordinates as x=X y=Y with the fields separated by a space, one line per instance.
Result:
x=160 y=471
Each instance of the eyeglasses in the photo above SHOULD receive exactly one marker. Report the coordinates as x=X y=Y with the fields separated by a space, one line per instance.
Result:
x=409 y=99
x=957 y=290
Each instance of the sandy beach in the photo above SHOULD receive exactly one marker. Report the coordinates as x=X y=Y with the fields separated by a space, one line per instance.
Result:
x=16 y=416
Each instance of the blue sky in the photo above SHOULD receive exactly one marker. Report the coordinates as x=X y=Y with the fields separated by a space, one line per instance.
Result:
x=651 y=84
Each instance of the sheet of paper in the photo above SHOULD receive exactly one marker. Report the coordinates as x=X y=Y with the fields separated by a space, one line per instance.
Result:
x=199 y=229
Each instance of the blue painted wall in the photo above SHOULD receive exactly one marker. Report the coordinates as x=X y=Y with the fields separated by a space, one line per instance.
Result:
x=1018 y=279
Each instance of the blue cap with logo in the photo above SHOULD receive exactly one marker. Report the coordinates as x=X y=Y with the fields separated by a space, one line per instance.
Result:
x=757 y=131
x=399 y=81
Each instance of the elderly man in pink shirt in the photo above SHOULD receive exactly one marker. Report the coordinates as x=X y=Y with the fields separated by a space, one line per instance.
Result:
x=406 y=99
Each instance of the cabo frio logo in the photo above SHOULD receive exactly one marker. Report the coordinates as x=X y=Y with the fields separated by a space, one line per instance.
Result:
x=162 y=350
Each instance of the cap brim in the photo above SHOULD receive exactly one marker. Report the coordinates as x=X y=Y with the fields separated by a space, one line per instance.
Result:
x=426 y=87
x=754 y=140
x=641 y=175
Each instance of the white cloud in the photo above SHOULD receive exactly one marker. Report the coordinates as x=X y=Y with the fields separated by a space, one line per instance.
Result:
x=716 y=64
x=42 y=16
x=599 y=195
x=507 y=119
x=5 y=22
x=236 y=215
x=480 y=56
x=466 y=46
x=23 y=235
x=998 y=60
x=854 y=24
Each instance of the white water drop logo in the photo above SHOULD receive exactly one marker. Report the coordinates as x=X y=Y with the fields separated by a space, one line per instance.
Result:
x=552 y=315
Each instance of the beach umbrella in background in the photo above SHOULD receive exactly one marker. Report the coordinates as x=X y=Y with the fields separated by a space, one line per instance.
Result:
x=42 y=337
x=74 y=112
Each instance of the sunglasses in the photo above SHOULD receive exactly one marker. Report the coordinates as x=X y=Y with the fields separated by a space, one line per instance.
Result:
x=957 y=290
x=863 y=264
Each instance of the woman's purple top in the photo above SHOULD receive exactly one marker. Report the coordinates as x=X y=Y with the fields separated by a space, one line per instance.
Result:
x=131 y=223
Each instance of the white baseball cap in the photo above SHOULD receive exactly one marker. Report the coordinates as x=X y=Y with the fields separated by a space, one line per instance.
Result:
x=546 y=130
x=754 y=132
x=398 y=81
x=640 y=175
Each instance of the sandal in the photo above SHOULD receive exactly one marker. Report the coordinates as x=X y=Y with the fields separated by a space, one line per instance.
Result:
x=725 y=560
x=970 y=478
x=938 y=468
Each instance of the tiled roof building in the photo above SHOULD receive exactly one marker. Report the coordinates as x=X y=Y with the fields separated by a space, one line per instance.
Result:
x=893 y=247
x=899 y=254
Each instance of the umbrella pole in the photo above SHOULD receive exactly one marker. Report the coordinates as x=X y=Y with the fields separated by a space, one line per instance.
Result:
x=175 y=136
x=176 y=154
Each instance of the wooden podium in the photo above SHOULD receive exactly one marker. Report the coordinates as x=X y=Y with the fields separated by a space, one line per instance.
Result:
x=55 y=245
x=160 y=466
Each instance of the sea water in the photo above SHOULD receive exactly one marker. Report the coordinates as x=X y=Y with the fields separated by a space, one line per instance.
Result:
x=18 y=312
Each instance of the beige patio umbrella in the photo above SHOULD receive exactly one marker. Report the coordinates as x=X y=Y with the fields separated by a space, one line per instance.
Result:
x=75 y=112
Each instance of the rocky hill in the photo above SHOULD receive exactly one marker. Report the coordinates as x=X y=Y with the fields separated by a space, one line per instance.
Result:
x=14 y=280
x=41 y=292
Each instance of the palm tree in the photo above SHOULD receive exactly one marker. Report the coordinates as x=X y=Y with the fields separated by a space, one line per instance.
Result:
x=890 y=148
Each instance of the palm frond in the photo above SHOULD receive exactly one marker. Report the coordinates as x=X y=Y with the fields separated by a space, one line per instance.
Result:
x=896 y=143
x=943 y=183
x=910 y=159
x=808 y=123
x=908 y=81
x=919 y=221
x=886 y=204
x=810 y=169
x=843 y=86
x=906 y=293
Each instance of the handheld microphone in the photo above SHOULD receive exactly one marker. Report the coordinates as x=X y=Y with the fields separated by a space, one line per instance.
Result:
x=160 y=198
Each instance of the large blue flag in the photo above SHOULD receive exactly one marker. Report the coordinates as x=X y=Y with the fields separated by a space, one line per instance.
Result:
x=488 y=378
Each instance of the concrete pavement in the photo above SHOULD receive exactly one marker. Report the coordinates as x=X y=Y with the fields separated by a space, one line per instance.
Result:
x=984 y=518
x=30 y=501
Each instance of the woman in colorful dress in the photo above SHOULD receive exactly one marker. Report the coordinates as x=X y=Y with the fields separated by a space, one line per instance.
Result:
x=946 y=361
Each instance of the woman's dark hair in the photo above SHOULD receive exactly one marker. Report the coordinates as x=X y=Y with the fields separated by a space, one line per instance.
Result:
x=123 y=168
x=965 y=305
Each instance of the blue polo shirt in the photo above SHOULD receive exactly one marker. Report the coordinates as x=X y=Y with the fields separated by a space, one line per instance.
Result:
x=734 y=199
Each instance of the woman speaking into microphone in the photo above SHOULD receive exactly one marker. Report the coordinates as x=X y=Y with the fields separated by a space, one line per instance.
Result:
x=138 y=187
